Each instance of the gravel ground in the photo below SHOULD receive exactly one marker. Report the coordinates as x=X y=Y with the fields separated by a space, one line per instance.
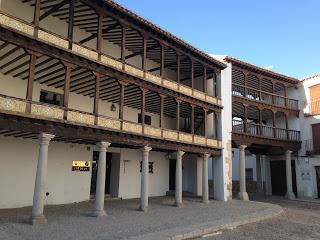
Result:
x=67 y=222
x=301 y=220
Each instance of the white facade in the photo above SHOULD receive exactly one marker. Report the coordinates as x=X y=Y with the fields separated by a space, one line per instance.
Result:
x=306 y=164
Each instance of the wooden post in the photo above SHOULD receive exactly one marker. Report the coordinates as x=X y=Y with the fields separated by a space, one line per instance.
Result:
x=66 y=88
x=192 y=74
x=96 y=96
x=70 y=25
x=161 y=60
x=36 y=17
x=205 y=122
x=122 y=93
x=123 y=44
x=143 y=107
x=32 y=67
x=192 y=119
x=99 y=36
x=274 y=124
x=178 y=115
x=178 y=67
x=205 y=79
x=215 y=124
x=287 y=127
x=260 y=121
x=245 y=119
x=162 y=98
x=144 y=55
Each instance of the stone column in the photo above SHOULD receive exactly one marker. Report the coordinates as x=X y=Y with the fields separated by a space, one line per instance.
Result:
x=101 y=181
x=37 y=216
x=289 y=194
x=144 y=179
x=178 y=189
x=205 y=183
x=259 y=176
x=243 y=195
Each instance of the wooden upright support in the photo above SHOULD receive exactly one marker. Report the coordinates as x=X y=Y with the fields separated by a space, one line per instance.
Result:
x=162 y=61
x=36 y=17
x=70 y=24
x=68 y=67
x=96 y=96
x=99 y=35
x=178 y=115
x=123 y=44
x=178 y=67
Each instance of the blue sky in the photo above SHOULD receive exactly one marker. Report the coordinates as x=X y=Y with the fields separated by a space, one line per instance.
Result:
x=281 y=34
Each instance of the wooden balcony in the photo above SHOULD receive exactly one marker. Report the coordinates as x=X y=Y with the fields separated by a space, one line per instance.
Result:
x=35 y=32
x=264 y=131
x=312 y=108
x=252 y=94
x=310 y=148
x=51 y=113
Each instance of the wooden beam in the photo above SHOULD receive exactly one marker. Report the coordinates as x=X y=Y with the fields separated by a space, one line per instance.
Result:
x=178 y=67
x=162 y=97
x=67 y=87
x=144 y=55
x=192 y=119
x=205 y=122
x=192 y=74
x=178 y=115
x=205 y=79
x=99 y=36
x=104 y=31
x=161 y=60
x=122 y=94
x=96 y=95
x=143 y=107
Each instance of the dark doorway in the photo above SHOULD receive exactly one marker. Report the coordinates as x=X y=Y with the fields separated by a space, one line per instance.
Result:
x=318 y=179
x=278 y=178
x=95 y=163
x=172 y=175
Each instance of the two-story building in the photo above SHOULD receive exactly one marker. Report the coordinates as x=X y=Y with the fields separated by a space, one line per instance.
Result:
x=96 y=100
x=265 y=129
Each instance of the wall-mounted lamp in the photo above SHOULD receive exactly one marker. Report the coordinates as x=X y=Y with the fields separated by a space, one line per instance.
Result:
x=113 y=108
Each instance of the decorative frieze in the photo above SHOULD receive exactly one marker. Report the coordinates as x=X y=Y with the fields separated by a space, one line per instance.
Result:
x=132 y=127
x=53 y=39
x=109 y=123
x=111 y=62
x=211 y=99
x=171 y=135
x=47 y=111
x=170 y=84
x=85 y=51
x=185 y=137
x=9 y=104
x=199 y=140
x=153 y=78
x=133 y=70
x=199 y=95
x=212 y=142
x=185 y=90
x=15 y=24
x=80 y=117
x=155 y=132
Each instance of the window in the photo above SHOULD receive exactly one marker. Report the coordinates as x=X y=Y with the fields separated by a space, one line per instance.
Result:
x=147 y=119
x=249 y=174
x=51 y=98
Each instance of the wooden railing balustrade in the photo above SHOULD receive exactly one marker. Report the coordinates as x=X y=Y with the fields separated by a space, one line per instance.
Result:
x=255 y=129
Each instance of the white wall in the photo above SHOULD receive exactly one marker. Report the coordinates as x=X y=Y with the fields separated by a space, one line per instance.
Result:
x=250 y=163
x=130 y=176
x=19 y=160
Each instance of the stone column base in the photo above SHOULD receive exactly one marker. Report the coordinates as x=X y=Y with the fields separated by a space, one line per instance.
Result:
x=243 y=196
x=143 y=209
x=99 y=213
x=36 y=220
x=206 y=201
x=290 y=195
x=178 y=205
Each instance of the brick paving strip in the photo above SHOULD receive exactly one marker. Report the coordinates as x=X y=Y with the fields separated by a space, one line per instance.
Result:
x=162 y=221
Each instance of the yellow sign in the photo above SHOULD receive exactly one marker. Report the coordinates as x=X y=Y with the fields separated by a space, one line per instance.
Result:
x=80 y=165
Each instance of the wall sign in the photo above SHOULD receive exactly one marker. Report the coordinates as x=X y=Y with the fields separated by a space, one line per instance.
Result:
x=81 y=166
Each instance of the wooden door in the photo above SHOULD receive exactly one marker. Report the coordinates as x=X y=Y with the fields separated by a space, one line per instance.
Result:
x=315 y=99
x=316 y=138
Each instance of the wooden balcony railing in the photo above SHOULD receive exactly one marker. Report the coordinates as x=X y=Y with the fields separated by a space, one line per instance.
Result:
x=265 y=97
x=310 y=148
x=265 y=131
x=17 y=106
x=313 y=107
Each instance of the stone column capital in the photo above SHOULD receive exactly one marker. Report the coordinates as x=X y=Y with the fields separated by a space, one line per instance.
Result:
x=206 y=156
x=146 y=149
x=242 y=147
x=288 y=152
x=103 y=146
x=180 y=153
x=45 y=138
